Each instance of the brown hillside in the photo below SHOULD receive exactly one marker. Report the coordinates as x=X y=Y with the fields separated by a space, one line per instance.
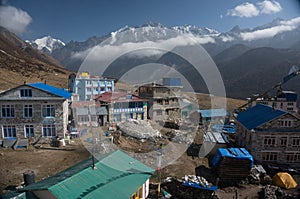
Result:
x=19 y=63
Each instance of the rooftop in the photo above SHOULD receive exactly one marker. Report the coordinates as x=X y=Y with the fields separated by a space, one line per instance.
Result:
x=51 y=89
x=213 y=113
x=116 y=176
x=258 y=115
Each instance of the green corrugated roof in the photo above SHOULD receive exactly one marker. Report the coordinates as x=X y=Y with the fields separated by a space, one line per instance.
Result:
x=117 y=176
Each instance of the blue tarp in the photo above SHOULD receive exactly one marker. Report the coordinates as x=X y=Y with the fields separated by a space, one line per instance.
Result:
x=198 y=186
x=236 y=153
x=224 y=128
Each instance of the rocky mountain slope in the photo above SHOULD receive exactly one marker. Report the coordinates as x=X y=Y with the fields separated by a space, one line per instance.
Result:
x=20 y=62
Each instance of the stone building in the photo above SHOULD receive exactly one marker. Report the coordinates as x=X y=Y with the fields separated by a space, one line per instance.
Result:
x=32 y=111
x=164 y=100
x=271 y=135
x=122 y=106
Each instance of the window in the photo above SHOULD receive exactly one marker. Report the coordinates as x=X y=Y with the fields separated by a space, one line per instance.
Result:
x=8 y=110
x=290 y=108
x=166 y=102
x=28 y=111
x=159 y=101
x=49 y=131
x=29 y=131
x=269 y=156
x=26 y=92
x=285 y=123
x=283 y=141
x=48 y=110
x=269 y=141
x=296 y=141
x=290 y=103
x=9 y=131
x=83 y=118
x=94 y=118
x=293 y=157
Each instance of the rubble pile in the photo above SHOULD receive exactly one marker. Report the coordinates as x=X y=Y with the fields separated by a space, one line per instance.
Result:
x=139 y=129
x=197 y=179
x=274 y=192
x=177 y=190
x=180 y=137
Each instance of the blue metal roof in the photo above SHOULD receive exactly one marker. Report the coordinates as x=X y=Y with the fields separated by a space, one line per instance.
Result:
x=236 y=153
x=258 y=115
x=51 y=89
x=213 y=113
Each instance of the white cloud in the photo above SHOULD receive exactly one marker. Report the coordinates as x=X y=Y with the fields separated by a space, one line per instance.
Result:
x=226 y=38
x=269 y=7
x=108 y=50
x=250 y=10
x=244 y=10
x=272 y=31
x=14 y=19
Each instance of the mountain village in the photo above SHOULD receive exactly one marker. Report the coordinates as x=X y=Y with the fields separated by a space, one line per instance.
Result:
x=255 y=144
x=69 y=131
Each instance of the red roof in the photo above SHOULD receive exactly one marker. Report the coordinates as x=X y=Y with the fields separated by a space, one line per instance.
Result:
x=110 y=97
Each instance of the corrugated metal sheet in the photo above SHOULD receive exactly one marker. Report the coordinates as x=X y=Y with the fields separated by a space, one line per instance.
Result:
x=258 y=115
x=51 y=89
x=213 y=113
x=117 y=176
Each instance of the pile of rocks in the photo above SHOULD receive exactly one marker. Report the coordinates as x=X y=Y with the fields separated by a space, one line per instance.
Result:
x=197 y=179
x=139 y=129
x=273 y=192
x=180 y=137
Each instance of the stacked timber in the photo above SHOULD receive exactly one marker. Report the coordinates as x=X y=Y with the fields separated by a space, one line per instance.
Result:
x=232 y=164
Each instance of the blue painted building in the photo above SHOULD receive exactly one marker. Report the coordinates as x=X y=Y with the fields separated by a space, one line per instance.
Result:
x=86 y=86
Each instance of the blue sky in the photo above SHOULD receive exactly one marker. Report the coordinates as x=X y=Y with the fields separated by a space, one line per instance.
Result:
x=80 y=19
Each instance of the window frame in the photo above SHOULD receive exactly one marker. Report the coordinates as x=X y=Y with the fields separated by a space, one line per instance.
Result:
x=8 y=108
x=47 y=127
x=9 y=127
x=29 y=127
x=52 y=106
x=27 y=110
x=27 y=92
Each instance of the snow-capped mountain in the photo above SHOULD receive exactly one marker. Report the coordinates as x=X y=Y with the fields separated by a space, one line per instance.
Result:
x=47 y=44
x=276 y=34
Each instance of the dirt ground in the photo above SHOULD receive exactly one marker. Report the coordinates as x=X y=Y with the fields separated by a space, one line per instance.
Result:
x=44 y=161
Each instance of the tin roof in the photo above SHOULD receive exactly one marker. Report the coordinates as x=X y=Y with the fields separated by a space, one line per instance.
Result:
x=51 y=89
x=213 y=113
x=117 y=176
x=258 y=115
